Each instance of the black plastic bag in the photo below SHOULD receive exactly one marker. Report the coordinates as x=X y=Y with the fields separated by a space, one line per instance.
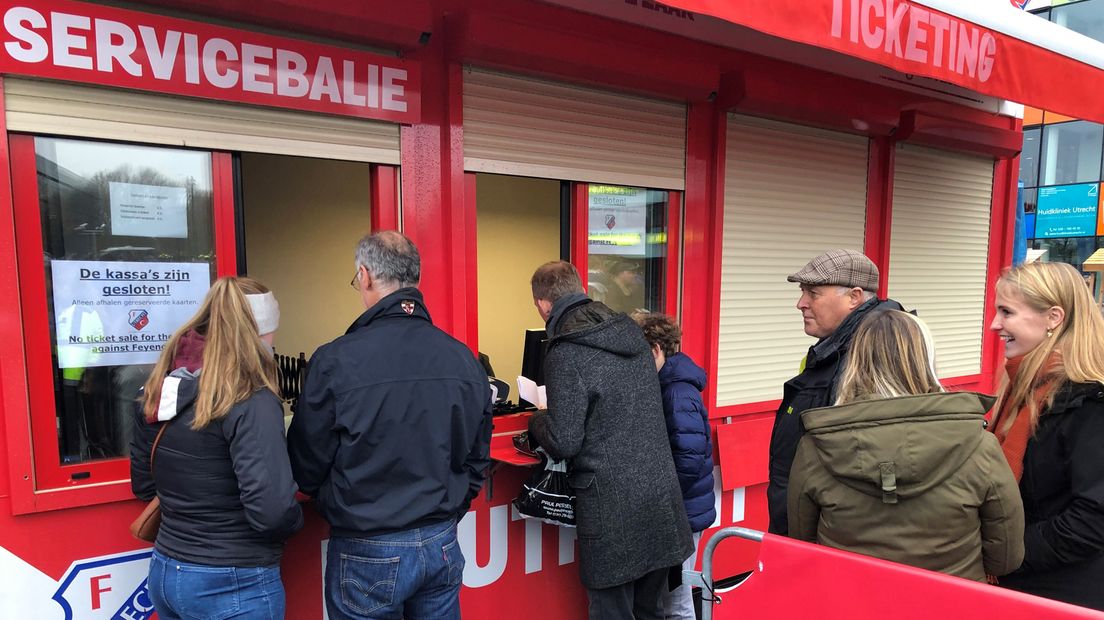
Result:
x=546 y=495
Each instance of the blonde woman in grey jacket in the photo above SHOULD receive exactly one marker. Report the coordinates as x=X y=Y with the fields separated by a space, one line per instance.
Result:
x=900 y=469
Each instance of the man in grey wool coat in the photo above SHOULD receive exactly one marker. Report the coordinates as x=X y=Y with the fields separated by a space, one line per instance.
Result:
x=605 y=415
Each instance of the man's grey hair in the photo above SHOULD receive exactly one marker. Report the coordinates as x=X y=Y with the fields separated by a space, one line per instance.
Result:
x=390 y=257
x=867 y=295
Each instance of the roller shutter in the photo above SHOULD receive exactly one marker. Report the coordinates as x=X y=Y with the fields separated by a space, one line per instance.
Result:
x=535 y=128
x=791 y=192
x=939 y=249
x=117 y=114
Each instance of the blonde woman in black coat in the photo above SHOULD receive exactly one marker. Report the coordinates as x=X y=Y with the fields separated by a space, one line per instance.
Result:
x=1050 y=422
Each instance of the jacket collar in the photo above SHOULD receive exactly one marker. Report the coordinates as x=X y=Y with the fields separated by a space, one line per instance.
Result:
x=679 y=367
x=405 y=303
x=1072 y=395
x=178 y=392
x=839 y=339
x=189 y=351
x=559 y=308
x=862 y=413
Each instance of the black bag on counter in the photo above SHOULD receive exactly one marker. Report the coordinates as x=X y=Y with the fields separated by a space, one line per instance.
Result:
x=546 y=495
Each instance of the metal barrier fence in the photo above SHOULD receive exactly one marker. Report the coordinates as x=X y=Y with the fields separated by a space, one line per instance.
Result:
x=704 y=579
x=796 y=579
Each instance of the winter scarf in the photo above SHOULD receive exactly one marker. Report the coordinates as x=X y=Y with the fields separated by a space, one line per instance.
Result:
x=1013 y=438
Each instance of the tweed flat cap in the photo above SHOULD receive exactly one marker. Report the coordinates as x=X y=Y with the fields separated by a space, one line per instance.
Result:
x=848 y=268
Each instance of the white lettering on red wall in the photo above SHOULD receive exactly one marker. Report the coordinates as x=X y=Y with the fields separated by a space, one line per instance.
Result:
x=493 y=554
x=916 y=34
x=115 y=47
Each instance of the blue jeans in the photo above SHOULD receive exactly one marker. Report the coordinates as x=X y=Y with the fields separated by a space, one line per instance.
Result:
x=414 y=575
x=182 y=591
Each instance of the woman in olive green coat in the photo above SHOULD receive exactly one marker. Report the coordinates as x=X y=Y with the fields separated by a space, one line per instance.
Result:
x=900 y=469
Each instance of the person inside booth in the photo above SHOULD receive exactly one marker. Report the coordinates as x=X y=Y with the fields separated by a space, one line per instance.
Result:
x=208 y=441
x=625 y=292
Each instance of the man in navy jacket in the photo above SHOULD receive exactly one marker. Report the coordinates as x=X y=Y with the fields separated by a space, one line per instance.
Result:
x=392 y=436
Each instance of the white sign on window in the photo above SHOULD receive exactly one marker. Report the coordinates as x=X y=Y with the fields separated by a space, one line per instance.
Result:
x=148 y=210
x=111 y=313
x=617 y=220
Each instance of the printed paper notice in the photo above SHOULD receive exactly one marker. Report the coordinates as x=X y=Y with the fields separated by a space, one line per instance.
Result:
x=148 y=210
x=531 y=392
x=112 y=313
x=617 y=220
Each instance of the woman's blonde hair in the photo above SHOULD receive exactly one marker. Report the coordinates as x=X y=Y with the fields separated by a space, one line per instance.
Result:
x=1078 y=339
x=891 y=354
x=236 y=363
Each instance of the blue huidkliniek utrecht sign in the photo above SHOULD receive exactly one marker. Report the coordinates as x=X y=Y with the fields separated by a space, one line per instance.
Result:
x=1067 y=211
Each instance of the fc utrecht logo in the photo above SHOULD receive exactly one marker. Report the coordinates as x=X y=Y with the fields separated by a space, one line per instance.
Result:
x=611 y=221
x=407 y=306
x=138 y=319
x=110 y=587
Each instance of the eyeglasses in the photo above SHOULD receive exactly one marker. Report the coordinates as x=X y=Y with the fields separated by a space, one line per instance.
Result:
x=355 y=282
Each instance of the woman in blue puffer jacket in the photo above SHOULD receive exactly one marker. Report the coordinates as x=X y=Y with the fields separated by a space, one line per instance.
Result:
x=688 y=429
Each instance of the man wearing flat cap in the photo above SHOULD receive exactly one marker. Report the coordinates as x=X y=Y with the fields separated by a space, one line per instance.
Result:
x=838 y=289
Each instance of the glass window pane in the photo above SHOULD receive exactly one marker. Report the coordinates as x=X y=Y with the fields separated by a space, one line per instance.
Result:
x=627 y=247
x=1073 y=251
x=1031 y=200
x=128 y=247
x=1084 y=17
x=1071 y=153
x=1029 y=157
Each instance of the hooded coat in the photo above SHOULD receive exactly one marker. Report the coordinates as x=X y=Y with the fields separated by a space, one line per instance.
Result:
x=682 y=382
x=915 y=480
x=605 y=415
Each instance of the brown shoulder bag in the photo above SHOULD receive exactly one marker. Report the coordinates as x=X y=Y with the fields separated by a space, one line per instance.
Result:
x=146 y=525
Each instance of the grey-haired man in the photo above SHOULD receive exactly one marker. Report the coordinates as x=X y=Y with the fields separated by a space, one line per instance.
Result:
x=838 y=289
x=392 y=436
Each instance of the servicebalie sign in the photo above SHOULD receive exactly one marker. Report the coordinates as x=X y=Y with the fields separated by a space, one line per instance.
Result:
x=96 y=44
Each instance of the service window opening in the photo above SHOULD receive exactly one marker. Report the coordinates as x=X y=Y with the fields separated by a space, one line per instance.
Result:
x=518 y=228
x=302 y=219
x=522 y=223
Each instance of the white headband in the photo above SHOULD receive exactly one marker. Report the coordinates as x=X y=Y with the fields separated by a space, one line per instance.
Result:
x=266 y=312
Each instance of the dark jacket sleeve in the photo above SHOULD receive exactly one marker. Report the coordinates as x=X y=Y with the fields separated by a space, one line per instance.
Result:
x=255 y=432
x=1002 y=515
x=560 y=429
x=141 y=441
x=1076 y=533
x=478 y=459
x=804 y=512
x=312 y=440
x=688 y=432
